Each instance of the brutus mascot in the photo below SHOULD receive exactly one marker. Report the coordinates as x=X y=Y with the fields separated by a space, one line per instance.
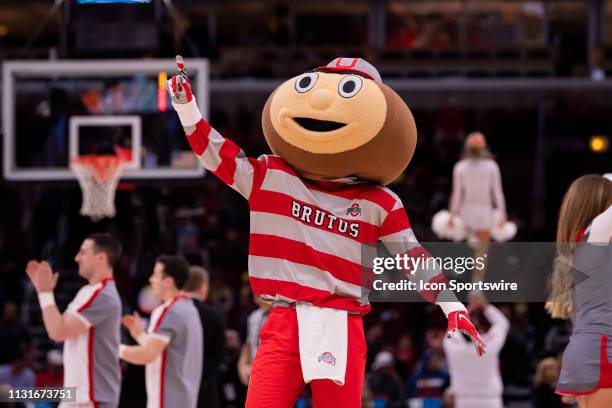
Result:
x=338 y=135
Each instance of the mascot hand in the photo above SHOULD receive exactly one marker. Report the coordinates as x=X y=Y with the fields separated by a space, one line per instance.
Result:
x=178 y=86
x=460 y=321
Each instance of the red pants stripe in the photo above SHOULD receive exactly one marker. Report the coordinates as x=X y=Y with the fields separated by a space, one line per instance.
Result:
x=276 y=376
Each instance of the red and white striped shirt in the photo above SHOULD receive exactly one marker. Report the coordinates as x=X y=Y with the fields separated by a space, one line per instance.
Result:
x=307 y=237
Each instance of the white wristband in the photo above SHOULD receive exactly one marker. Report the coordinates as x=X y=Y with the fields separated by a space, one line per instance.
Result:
x=46 y=299
x=122 y=348
x=188 y=113
x=142 y=339
x=447 y=300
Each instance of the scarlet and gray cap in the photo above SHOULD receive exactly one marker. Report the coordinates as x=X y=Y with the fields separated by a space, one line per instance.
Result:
x=357 y=65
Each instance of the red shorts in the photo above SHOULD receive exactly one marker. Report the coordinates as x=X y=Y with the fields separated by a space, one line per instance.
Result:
x=276 y=376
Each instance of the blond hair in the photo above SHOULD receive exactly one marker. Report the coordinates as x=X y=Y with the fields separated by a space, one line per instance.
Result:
x=587 y=197
x=475 y=147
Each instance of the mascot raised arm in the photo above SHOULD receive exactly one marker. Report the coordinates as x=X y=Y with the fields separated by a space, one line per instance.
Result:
x=338 y=135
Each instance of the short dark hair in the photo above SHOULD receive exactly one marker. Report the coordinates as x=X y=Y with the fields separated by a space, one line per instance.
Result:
x=175 y=267
x=104 y=242
x=198 y=276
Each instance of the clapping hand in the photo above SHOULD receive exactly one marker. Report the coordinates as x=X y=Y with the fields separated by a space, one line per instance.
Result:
x=134 y=325
x=42 y=276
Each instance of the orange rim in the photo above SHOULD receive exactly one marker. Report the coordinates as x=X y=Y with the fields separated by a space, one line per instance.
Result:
x=104 y=167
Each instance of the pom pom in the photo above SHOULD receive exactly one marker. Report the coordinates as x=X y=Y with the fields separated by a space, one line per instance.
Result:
x=440 y=226
x=502 y=232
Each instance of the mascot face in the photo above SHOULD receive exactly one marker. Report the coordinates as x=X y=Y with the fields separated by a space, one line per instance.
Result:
x=338 y=122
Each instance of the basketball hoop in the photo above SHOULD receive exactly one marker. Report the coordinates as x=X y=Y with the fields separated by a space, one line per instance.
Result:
x=98 y=177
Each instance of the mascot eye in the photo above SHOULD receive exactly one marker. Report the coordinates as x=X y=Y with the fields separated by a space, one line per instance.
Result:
x=349 y=86
x=305 y=82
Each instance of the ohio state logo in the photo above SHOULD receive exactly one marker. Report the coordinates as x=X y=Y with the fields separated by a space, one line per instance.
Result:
x=328 y=358
x=354 y=210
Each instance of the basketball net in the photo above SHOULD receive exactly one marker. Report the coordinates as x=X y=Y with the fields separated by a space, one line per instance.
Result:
x=98 y=177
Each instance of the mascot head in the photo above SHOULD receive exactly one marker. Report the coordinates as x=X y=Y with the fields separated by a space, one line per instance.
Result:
x=339 y=121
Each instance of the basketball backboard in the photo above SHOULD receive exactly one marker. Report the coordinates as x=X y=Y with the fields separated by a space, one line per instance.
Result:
x=53 y=111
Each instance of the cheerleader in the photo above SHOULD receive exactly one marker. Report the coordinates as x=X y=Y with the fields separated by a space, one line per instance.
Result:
x=477 y=193
x=581 y=290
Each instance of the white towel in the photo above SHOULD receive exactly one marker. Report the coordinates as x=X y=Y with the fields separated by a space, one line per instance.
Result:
x=323 y=342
